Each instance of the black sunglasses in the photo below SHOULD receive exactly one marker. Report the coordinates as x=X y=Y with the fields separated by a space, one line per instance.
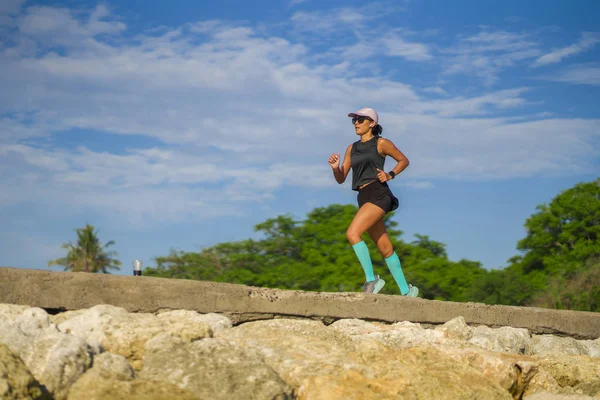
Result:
x=359 y=119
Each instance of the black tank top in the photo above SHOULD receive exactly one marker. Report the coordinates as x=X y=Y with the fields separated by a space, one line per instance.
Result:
x=365 y=160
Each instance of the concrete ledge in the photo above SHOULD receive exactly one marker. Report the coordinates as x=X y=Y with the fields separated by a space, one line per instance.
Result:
x=71 y=291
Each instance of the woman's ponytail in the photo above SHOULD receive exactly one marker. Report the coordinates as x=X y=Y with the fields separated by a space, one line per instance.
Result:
x=377 y=129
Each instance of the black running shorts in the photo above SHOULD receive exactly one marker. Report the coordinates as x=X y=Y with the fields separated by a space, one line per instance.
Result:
x=379 y=194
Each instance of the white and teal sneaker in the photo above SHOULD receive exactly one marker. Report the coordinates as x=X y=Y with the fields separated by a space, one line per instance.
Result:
x=413 y=291
x=374 y=286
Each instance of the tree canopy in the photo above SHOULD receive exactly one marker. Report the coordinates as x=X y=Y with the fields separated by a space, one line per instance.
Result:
x=88 y=254
x=314 y=254
x=558 y=265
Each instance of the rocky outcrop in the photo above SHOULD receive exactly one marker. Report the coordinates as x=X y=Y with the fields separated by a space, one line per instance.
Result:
x=105 y=352
x=16 y=382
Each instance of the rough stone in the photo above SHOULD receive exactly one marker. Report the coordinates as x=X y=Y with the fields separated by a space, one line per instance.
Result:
x=212 y=369
x=16 y=382
x=120 y=332
x=110 y=365
x=9 y=312
x=55 y=359
x=505 y=339
x=324 y=362
x=112 y=378
x=571 y=370
x=549 y=344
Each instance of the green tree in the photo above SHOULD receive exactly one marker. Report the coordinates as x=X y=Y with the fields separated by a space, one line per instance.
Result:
x=314 y=254
x=582 y=292
x=563 y=235
x=436 y=248
x=558 y=264
x=88 y=254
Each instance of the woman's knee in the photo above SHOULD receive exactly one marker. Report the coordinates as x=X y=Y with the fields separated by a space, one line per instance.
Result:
x=353 y=236
x=385 y=248
x=386 y=252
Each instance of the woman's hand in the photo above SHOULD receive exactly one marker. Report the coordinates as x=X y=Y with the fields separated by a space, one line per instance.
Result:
x=383 y=176
x=334 y=161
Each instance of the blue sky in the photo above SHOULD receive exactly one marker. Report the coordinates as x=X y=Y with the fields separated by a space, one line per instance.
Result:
x=184 y=124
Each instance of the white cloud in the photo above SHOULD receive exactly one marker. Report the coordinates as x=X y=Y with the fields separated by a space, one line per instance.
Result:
x=357 y=20
x=577 y=74
x=486 y=54
x=587 y=41
x=436 y=89
x=236 y=114
x=58 y=26
x=478 y=149
x=296 y=2
x=480 y=105
x=397 y=46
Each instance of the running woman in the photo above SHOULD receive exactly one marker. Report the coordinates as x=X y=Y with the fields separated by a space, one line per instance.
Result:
x=375 y=199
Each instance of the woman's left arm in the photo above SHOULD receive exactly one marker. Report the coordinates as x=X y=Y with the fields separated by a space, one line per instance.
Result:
x=387 y=148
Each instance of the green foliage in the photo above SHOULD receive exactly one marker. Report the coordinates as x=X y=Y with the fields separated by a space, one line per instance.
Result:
x=582 y=292
x=561 y=236
x=558 y=266
x=315 y=255
x=88 y=255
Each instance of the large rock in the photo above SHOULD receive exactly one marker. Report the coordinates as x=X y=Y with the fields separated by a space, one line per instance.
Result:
x=504 y=339
x=112 y=378
x=572 y=371
x=552 y=345
x=120 y=332
x=172 y=354
x=212 y=369
x=326 y=362
x=9 y=312
x=16 y=382
x=592 y=346
x=481 y=348
x=566 y=376
x=55 y=359
x=217 y=322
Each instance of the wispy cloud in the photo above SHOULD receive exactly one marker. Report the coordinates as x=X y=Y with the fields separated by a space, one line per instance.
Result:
x=487 y=53
x=296 y=2
x=234 y=114
x=330 y=21
x=395 y=45
x=436 y=89
x=587 y=41
x=577 y=74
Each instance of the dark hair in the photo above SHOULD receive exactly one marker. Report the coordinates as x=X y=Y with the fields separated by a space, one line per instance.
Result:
x=377 y=129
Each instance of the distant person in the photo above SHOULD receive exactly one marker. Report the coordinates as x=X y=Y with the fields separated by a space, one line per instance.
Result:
x=375 y=199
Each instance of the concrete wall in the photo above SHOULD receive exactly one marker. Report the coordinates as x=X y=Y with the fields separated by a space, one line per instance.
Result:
x=71 y=291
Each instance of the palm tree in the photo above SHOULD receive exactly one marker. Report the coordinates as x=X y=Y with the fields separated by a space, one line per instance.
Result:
x=88 y=255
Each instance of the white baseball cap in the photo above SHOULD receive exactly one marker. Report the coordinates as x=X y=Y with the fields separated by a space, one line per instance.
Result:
x=366 y=112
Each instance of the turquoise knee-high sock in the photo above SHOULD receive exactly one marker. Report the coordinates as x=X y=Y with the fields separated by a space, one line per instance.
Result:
x=362 y=252
x=393 y=263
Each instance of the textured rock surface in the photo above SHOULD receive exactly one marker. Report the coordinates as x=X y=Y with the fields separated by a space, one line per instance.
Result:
x=105 y=352
x=112 y=378
x=16 y=382
x=212 y=369
x=55 y=359
x=120 y=332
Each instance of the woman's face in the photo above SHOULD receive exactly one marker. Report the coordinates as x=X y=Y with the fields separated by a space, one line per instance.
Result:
x=362 y=125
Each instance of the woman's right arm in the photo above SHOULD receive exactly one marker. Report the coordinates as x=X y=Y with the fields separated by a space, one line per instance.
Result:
x=341 y=172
